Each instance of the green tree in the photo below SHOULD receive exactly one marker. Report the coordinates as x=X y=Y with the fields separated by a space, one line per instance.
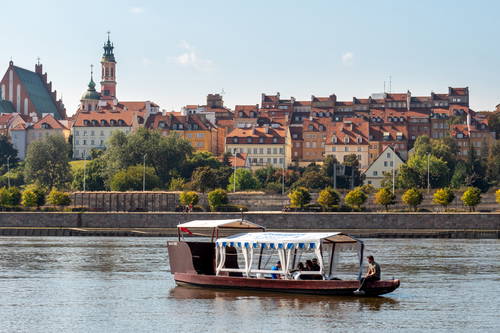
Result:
x=198 y=160
x=94 y=173
x=385 y=197
x=493 y=163
x=328 y=197
x=471 y=198
x=438 y=170
x=444 y=197
x=244 y=180
x=58 y=198
x=312 y=179
x=187 y=198
x=47 y=162
x=216 y=198
x=131 y=179
x=459 y=175
x=299 y=197
x=7 y=151
x=352 y=170
x=268 y=174
x=413 y=198
x=355 y=198
x=167 y=155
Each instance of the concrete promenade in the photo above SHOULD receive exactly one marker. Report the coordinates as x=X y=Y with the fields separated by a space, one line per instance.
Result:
x=442 y=225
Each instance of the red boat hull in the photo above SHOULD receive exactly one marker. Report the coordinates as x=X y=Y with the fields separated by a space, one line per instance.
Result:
x=319 y=287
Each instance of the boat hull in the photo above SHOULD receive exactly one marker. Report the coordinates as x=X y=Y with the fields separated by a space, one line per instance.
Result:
x=313 y=287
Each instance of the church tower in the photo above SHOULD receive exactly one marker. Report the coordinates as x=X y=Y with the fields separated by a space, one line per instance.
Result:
x=90 y=98
x=108 y=76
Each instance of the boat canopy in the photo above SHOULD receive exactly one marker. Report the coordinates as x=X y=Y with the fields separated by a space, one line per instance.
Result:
x=284 y=240
x=207 y=227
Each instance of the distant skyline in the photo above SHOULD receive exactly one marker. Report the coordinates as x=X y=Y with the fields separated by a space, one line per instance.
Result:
x=175 y=53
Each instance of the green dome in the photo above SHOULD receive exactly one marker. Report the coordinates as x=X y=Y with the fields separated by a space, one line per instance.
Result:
x=91 y=93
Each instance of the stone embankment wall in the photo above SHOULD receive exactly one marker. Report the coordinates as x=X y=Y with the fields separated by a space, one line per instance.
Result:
x=167 y=201
x=271 y=220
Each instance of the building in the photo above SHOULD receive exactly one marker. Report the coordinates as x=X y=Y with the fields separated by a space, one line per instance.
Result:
x=264 y=145
x=386 y=162
x=101 y=113
x=348 y=137
x=23 y=134
x=195 y=128
x=28 y=93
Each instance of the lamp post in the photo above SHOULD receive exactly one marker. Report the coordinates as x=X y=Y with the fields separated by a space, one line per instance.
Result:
x=234 y=171
x=394 y=170
x=84 y=169
x=428 y=173
x=144 y=173
x=8 y=171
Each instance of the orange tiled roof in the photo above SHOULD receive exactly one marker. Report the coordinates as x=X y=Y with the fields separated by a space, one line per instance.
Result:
x=265 y=135
x=51 y=121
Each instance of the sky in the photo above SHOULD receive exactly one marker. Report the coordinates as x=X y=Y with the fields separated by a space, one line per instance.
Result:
x=176 y=52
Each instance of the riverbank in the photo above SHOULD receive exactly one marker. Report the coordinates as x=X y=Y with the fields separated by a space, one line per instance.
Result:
x=370 y=225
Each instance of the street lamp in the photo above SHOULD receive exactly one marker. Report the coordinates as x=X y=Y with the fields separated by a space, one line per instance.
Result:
x=8 y=171
x=428 y=173
x=144 y=173
x=84 y=155
x=394 y=170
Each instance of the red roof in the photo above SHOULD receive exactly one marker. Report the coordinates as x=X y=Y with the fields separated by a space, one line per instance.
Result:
x=353 y=128
x=265 y=135
x=52 y=122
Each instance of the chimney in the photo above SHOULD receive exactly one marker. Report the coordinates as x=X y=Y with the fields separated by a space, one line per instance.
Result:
x=468 y=122
x=408 y=100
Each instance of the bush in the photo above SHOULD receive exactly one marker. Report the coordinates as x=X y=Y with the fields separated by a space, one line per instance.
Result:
x=231 y=208
x=471 y=198
x=58 y=198
x=29 y=198
x=177 y=184
x=189 y=198
x=299 y=197
x=217 y=198
x=367 y=189
x=385 y=197
x=40 y=193
x=10 y=196
x=328 y=198
x=443 y=197
x=355 y=198
x=131 y=179
x=413 y=197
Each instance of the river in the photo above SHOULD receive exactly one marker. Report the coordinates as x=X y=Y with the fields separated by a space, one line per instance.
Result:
x=79 y=284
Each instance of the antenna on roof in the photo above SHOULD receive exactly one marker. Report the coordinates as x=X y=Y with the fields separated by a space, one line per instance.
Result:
x=390 y=84
x=222 y=92
x=384 y=87
x=38 y=61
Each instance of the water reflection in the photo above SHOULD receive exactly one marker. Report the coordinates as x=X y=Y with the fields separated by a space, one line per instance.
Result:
x=296 y=301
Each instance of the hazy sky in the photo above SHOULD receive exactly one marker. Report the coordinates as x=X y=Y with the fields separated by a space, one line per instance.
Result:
x=175 y=52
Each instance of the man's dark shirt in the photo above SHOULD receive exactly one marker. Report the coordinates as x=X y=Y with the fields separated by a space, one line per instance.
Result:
x=375 y=267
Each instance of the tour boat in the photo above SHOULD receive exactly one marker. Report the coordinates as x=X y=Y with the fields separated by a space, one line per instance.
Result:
x=240 y=254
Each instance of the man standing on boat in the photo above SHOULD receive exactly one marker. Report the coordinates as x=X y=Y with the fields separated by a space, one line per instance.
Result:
x=373 y=274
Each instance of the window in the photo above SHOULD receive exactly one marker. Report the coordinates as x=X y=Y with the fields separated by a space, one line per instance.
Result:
x=92 y=142
x=334 y=148
x=255 y=150
x=249 y=140
x=235 y=140
x=346 y=148
x=102 y=142
x=281 y=151
x=77 y=133
x=375 y=173
x=102 y=133
x=388 y=155
x=268 y=151
x=359 y=157
x=76 y=142
x=275 y=160
x=275 y=140
x=359 y=149
x=281 y=160
x=84 y=142
x=261 y=140
x=275 y=151
x=385 y=163
x=84 y=133
x=92 y=133
x=261 y=151
x=391 y=163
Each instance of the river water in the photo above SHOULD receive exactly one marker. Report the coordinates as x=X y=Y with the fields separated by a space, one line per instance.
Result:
x=77 y=284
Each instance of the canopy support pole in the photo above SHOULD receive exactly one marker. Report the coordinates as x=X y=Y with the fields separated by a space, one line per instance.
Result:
x=361 y=250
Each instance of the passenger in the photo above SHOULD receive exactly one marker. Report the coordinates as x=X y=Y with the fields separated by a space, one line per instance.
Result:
x=301 y=267
x=276 y=267
x=309 y=265
x=373 y=274
x=315 y=266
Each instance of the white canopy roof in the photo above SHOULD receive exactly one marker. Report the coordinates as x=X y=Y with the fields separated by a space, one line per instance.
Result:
x=205 y=227
x=282 y=240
